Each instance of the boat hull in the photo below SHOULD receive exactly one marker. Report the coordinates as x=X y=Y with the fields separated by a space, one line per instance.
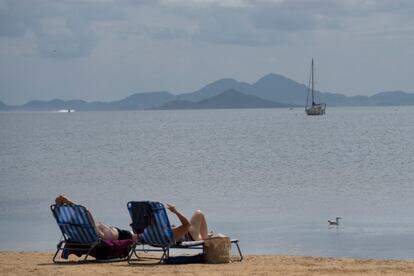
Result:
x=317 y=109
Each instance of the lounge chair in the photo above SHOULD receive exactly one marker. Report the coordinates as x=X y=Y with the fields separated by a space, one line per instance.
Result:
x=79 y=236
x=153 y=226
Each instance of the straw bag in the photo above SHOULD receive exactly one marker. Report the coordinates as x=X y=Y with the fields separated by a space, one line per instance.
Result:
x=217 y=249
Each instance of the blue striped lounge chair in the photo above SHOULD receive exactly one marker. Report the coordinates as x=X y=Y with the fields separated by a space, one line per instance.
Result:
x=156 y=232
x=78 y=231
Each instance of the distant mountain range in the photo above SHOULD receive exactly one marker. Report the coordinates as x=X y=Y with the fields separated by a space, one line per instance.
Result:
x=271 y=91
x=228 y=99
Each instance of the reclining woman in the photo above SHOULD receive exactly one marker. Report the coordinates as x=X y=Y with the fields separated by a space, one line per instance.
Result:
x=193 y=230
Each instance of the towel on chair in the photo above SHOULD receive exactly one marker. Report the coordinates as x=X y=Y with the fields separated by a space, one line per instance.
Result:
x=104 y=251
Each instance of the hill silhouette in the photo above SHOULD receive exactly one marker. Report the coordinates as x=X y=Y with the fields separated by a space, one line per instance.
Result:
x=274 y=88
x=228 y=99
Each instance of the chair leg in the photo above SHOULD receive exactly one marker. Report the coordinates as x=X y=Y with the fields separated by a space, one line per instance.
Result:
x=136 y=255
x=132 y=251
x=87 y=254
x=238 y=249
x=165 y=254
x=54 y=257
x=59 y=247
x=90 y=250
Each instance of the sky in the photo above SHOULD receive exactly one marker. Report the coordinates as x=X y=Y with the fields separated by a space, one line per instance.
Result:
x=109 y=49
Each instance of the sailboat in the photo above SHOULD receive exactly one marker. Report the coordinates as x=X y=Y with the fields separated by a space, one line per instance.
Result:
x=313 y=108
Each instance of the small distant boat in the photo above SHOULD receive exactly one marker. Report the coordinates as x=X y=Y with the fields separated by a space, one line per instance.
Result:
x=313 y=108
x=66 y=110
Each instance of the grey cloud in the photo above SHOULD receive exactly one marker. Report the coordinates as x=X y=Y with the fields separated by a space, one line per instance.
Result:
x=75 y=39
x=258 y=23
x=395 y=6
x=298 y=16
x=282 y=21
x=10 y=27
x=253 y=23
x=168 y=34
x=15 y=18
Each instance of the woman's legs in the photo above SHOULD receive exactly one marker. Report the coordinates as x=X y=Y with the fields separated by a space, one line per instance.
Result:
x=198 y=228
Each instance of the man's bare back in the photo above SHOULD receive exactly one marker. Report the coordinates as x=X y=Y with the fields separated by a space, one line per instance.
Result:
x=106 y=232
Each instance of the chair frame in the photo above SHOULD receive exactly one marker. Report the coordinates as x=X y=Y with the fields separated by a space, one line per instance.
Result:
x=87 y=247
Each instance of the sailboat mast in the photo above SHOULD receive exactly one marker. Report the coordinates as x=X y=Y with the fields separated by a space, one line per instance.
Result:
x=315 y=108
x=312 y=82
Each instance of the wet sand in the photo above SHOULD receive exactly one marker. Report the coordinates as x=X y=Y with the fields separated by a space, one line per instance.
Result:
x=40 y=263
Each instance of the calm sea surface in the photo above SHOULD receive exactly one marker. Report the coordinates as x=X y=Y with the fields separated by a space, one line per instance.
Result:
x=270 y=177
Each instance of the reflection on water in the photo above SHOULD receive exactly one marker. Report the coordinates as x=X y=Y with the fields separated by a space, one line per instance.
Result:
x=271 y=178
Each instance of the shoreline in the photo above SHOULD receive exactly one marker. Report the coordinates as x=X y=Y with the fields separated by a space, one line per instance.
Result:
x=40 y=263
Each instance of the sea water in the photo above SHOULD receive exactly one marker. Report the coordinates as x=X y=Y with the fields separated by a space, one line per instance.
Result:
x=269 y=177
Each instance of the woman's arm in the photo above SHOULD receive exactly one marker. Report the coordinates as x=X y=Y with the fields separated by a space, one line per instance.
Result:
x=184 y=221
x=183 y=229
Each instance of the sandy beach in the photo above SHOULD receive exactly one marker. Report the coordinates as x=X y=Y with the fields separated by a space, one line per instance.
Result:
x=36 y=263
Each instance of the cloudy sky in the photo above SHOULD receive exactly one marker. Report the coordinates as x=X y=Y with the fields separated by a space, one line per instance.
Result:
x=109 y=49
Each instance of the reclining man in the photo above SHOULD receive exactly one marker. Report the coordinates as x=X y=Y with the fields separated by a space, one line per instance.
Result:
x=105 y=232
